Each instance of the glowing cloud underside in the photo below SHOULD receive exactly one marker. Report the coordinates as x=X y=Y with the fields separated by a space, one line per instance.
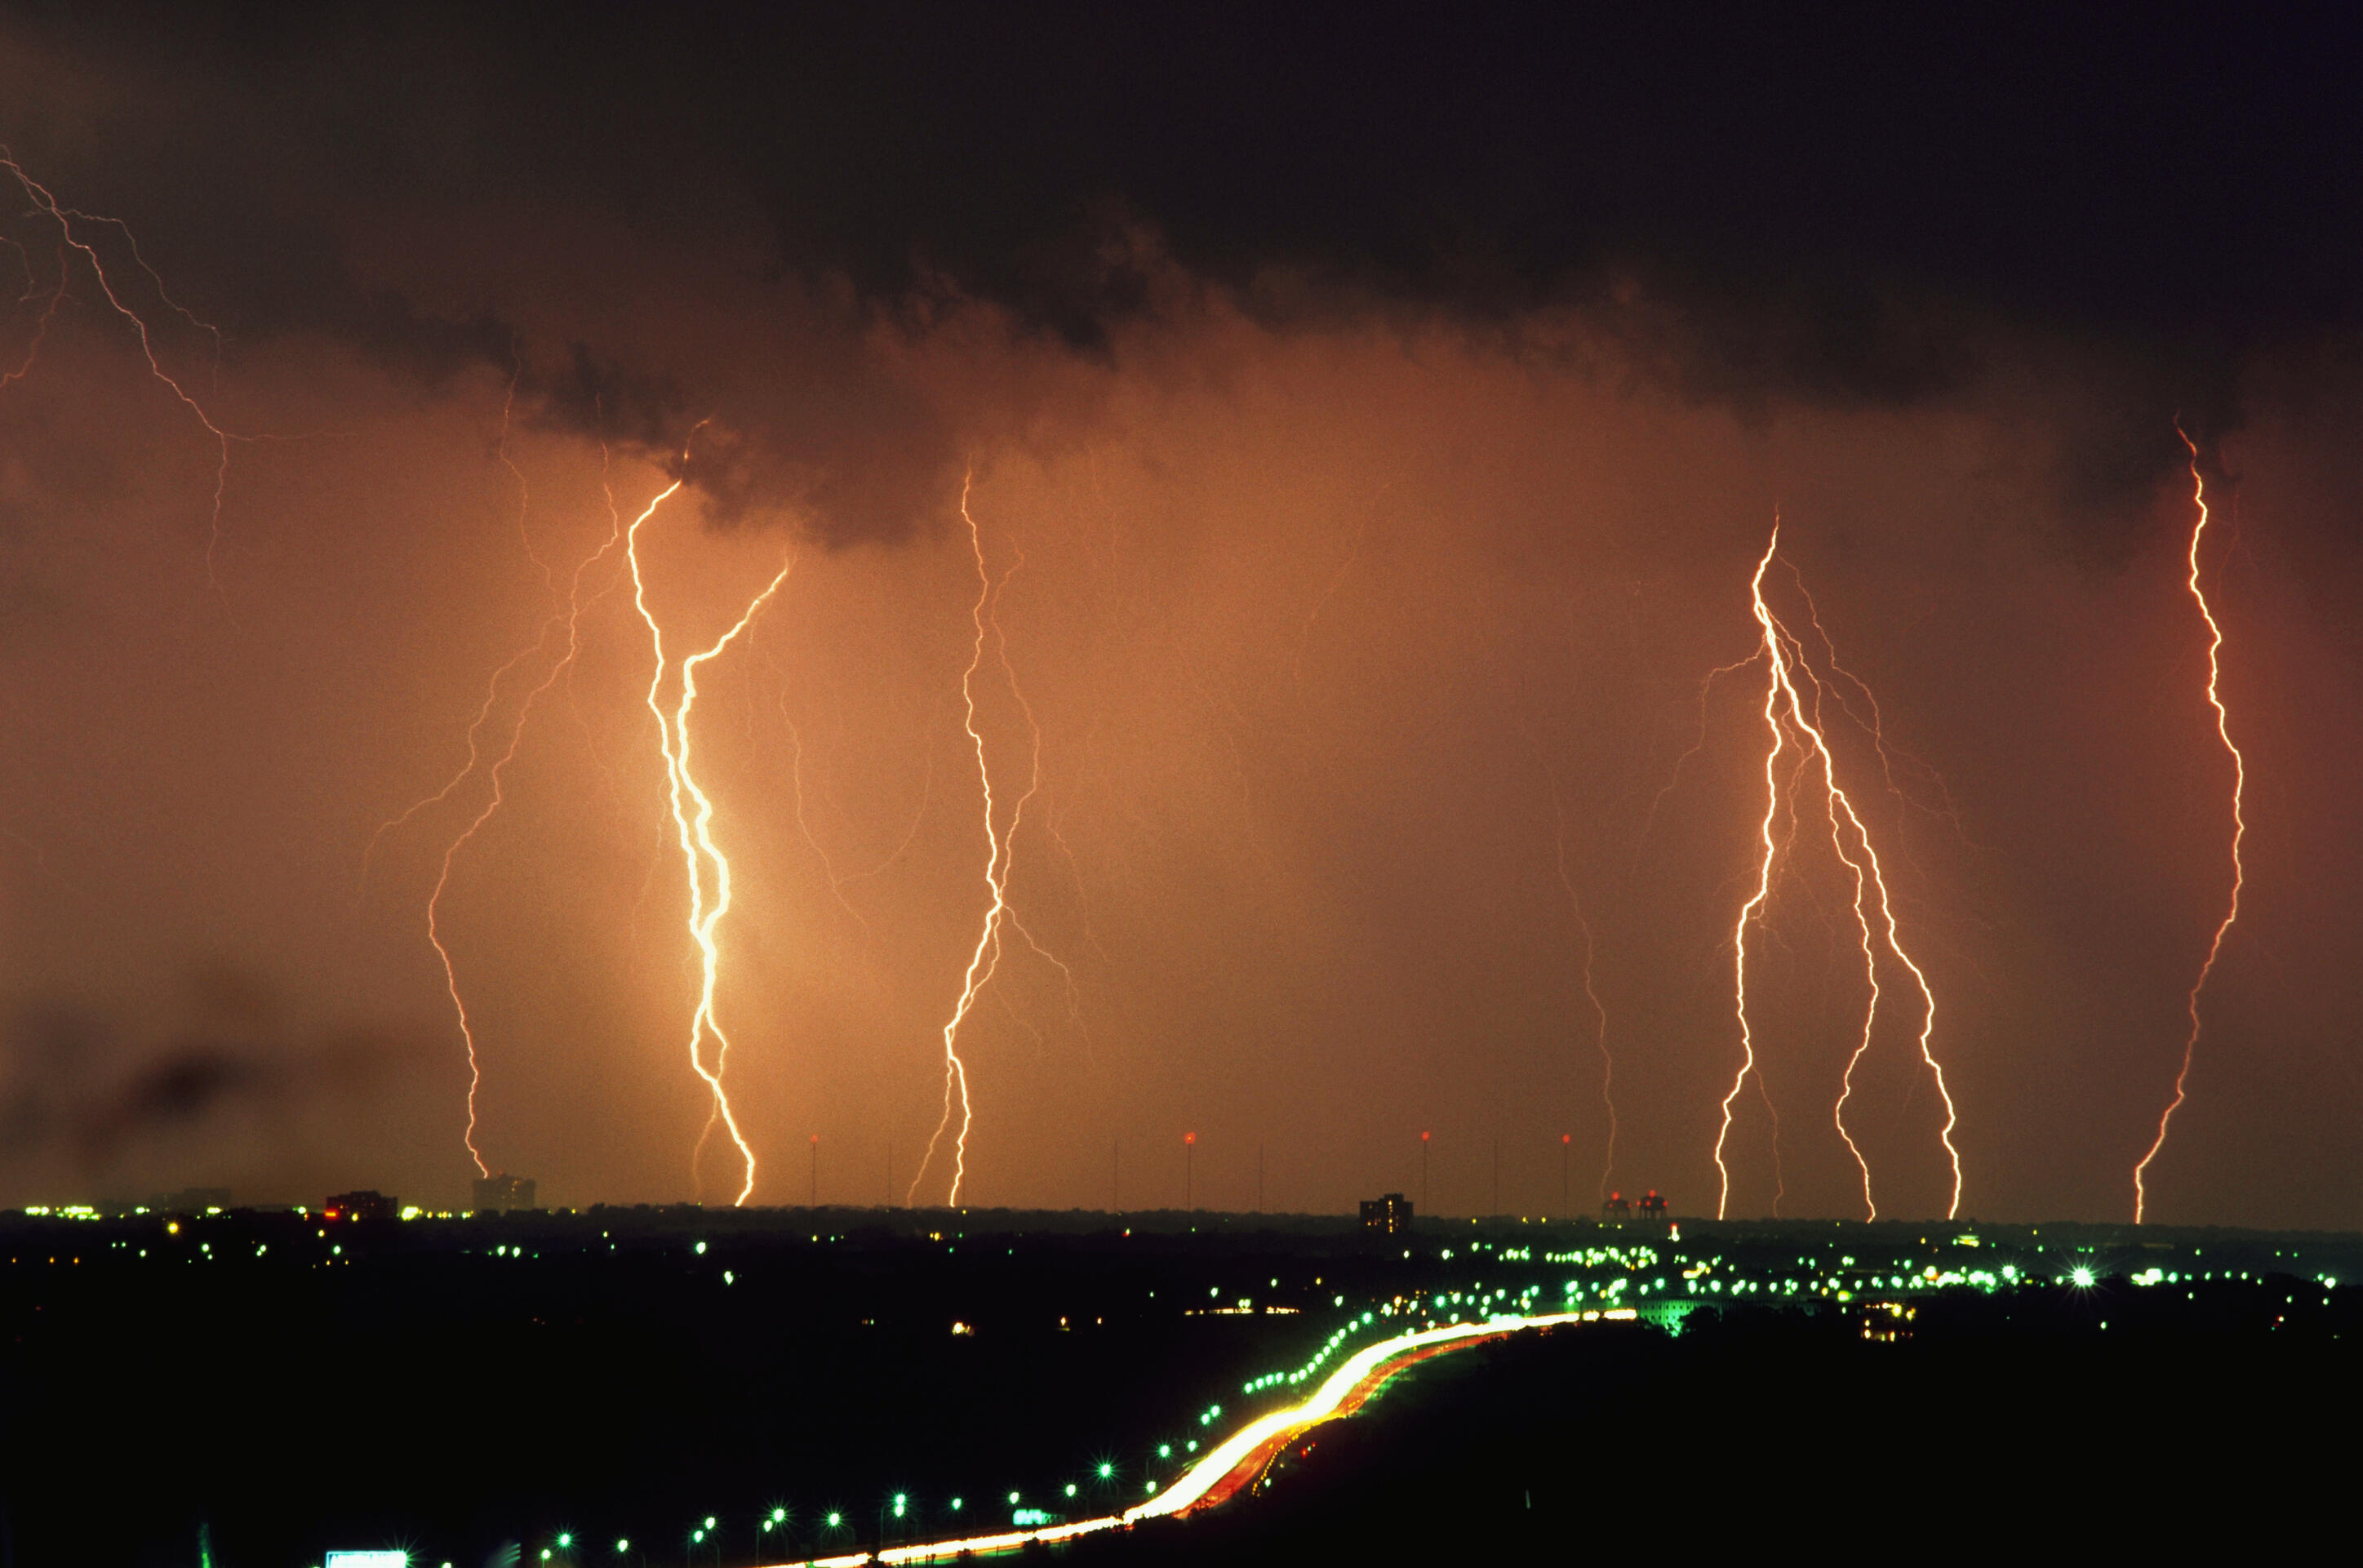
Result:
x=2239 y=827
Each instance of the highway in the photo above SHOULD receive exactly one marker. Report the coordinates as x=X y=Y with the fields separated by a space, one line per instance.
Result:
x=1233 y=1464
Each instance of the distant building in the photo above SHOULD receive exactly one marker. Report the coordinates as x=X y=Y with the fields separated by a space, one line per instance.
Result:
x=191 y=1200
x=1653 y=1207
x=1388 y=1215
x=498 y=1194
x=1618 y=1207
x=362 y=1205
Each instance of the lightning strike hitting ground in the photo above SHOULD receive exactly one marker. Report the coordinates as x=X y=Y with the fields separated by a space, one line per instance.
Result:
x=69 y=238
x=984 y=961
x=693 y=826
x=2239 y=825
x=1591 y=994
x=1786 y=711
x=1756 y=900
x=571 y=616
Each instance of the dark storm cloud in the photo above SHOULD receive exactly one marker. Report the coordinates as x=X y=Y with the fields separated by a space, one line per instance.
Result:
x=1831 y=205
x=77 y=1089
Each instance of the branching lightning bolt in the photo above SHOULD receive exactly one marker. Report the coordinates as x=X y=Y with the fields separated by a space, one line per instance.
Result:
x=1786 y=711
x=1590 y=994
x=70 y=238
x=1756 y=900
x=693 y=826
x=2239 y=823
x=571 y=616
x=984 y=960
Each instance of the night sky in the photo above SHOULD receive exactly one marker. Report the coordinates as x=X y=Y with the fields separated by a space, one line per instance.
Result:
x=1372 y=426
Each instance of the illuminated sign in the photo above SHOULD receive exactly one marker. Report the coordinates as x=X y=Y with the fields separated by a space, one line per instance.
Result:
x=369 y=1560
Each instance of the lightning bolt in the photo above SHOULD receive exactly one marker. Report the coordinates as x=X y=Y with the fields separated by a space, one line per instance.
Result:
x=70 y=238
x=1763 y=893
x=2239 y=823
x=570 y=616
x=1787 y=712
x=694 y=828
x=49 y=307
x=840 y=881
x=1591 y=994
x=984 y=960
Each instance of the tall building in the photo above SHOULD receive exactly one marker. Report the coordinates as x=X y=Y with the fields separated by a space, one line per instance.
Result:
x=499 y=1194
x=1388 y=1215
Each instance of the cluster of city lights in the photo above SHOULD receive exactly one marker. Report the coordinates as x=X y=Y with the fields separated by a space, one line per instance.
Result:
x=1504 y=1290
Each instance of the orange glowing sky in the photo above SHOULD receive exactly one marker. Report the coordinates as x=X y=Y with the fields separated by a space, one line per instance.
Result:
x=1361 y=630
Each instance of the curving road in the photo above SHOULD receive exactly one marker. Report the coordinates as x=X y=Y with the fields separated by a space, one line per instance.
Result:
x=1234 y=1463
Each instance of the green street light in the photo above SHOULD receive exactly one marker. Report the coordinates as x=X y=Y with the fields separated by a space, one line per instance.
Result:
x=623 y=1545
x=1106 y=1471
x=955 y=1503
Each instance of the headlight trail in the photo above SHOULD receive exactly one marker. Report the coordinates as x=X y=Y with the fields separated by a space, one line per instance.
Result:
x=693 y=826
x=571 y=616
x=984 y=960
x=71 y=238
x=1232 y=1463
x=2239 y=825
x=1787 y=711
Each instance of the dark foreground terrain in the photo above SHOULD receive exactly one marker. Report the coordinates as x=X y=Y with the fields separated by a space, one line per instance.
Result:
x=250 y=1390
